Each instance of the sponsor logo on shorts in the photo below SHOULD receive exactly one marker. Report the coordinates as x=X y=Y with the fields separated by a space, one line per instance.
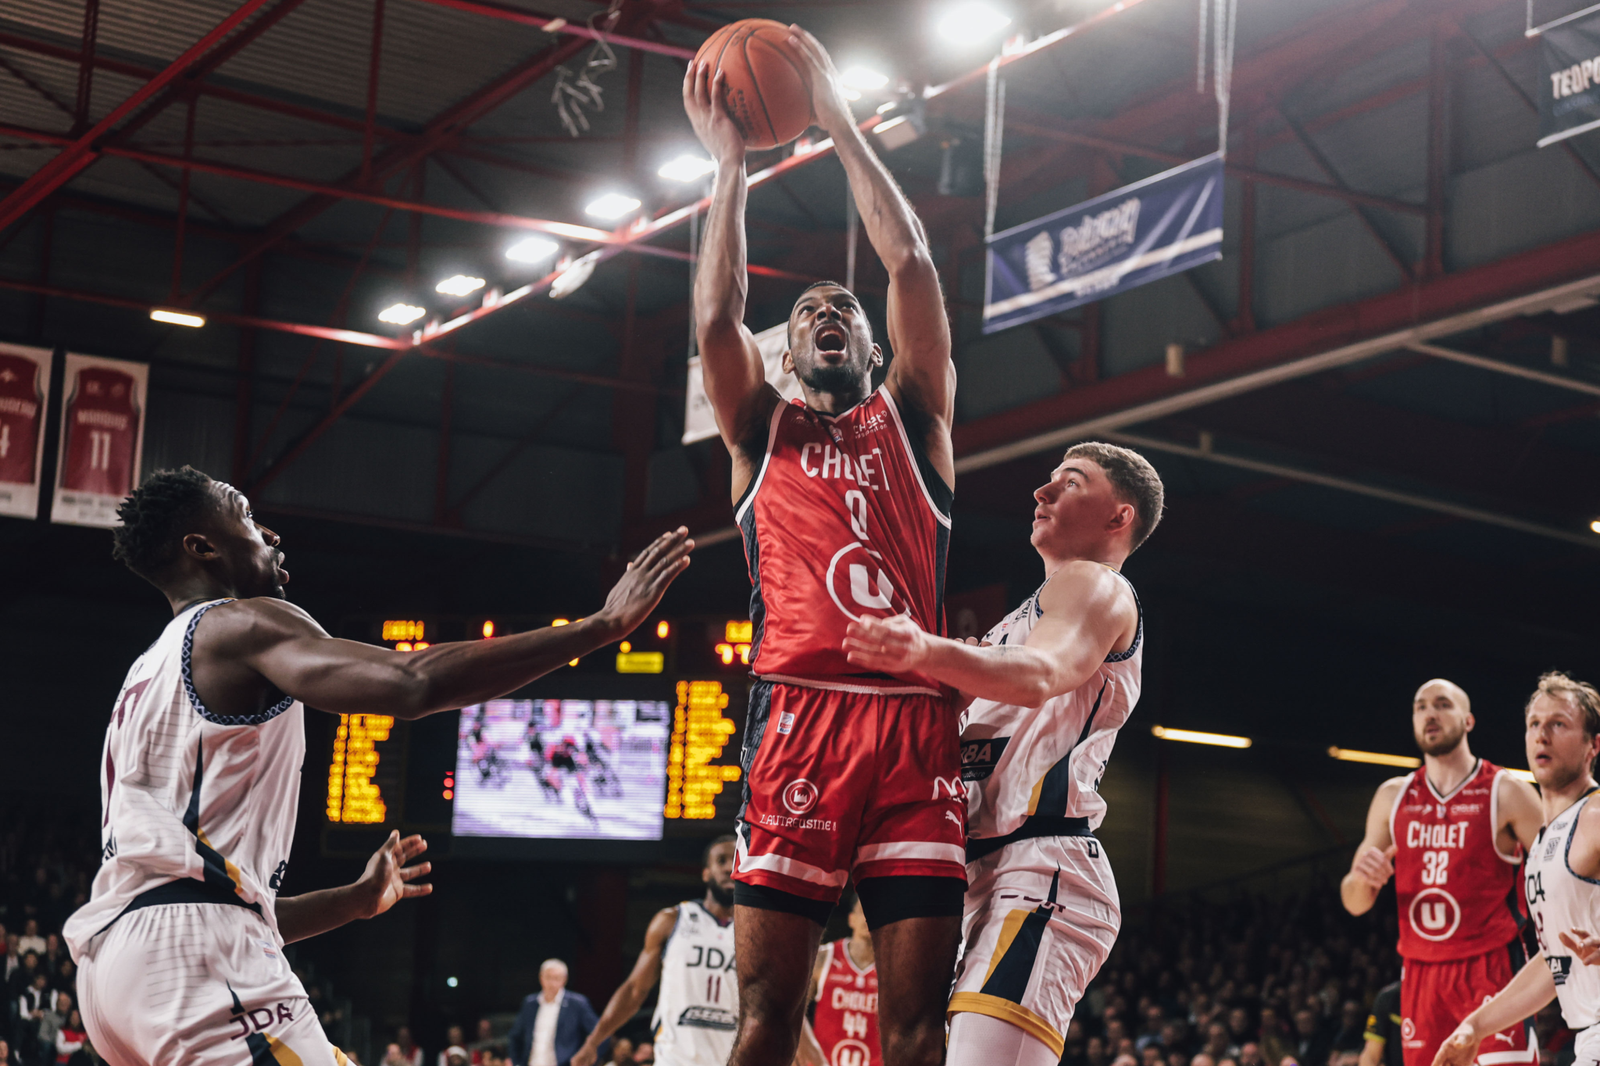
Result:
x=708 y=1018
x=786 y=723
x=799 y=796
x=258 y=1018
x=949 y=788
x=1408 y=1033
x=780 y=822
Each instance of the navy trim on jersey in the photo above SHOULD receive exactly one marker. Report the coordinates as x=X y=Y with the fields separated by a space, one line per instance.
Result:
x=1138 y=632
x=758 y=604
x=194 y=697
x=702 y=905
x=1566 y=853
x=1053 y=792
x=1012 y=971
x=755 y=727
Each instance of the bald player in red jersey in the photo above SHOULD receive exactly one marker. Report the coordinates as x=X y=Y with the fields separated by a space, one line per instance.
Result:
x=1452 y=834
x=844 y=505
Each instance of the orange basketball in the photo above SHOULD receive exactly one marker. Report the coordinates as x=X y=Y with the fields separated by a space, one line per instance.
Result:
x=766 y=91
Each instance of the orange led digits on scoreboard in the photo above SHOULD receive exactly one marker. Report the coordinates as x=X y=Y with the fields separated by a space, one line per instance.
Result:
x=700 y=732
x=353 y=796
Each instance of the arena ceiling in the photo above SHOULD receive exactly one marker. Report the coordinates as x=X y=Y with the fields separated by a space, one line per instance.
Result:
x=1390 y=381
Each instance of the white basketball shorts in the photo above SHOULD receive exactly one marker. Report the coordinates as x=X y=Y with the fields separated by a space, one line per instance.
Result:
x=197 y=984
x=1041 y=917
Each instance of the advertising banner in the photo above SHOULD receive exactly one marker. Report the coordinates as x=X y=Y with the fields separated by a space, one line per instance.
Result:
x=1569 y=92
x=102 y=438
x=24 y=389
x=698 y=420
x=1148 y=230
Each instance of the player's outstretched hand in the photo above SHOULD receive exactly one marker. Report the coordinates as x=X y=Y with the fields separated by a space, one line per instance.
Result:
x=1375 y=866
x=892 y=645
x=1459 y=1049
x=829 y=108
x=387 y=879
x=641 y=588
x=1581 y=944
x=702 y=99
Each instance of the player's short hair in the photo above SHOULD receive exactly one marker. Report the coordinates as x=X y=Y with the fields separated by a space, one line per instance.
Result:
x=156 y=516
x=705 y=856
x=1134 y=480
x=1582 y=695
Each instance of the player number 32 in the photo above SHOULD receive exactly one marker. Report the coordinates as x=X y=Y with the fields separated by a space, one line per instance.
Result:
x=1435 y=867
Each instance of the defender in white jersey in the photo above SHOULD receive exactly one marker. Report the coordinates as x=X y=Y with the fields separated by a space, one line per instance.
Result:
x=1049 y=687
x=688 y=951
x=179 y=948
x=1561 y=879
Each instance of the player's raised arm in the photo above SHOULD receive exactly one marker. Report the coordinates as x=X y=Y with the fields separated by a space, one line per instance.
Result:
x=286 y=646
x=1373 y=864
x=919 y=332
x=386 y=881
x=631 y=994
x=1088 y=613
x=735 y=379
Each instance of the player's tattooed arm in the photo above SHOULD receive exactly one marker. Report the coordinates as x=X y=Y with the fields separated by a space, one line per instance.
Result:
x=631 y=994
x=1373 y=864
x=246 y=642
x=1088 y=613
x=386 y=881
x=1526 y=994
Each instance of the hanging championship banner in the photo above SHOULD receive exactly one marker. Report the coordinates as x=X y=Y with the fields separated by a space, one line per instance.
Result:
x=1148 y=230
x=24 y=388
x=698 y=420
x=1569 y=93
x=102 y=438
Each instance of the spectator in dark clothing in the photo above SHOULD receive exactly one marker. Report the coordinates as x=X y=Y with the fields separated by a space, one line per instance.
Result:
x=22 y=977
x=555 y=1041
x=1312 y=1043
x=1352 y=1027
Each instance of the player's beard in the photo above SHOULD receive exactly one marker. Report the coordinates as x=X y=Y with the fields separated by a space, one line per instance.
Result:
x=842 y=379
x=1449 y=738
x=723 y=896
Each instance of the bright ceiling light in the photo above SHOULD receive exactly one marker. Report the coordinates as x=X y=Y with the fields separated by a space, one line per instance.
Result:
x=183 y=318
x=612 y=205
x=850 y=94
x=1190 y=736
x=532 y=250
x=1375 y=758
x=401 y=314
x=888 y=105
x=460 y=285
x=972 y=22
x=686 y=168
x=863 y=78
x=1594 y=527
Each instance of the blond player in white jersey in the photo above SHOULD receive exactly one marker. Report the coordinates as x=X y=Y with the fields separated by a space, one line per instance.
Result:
x=1561 y=879
x=1049 y=688
x=688 y=951
x=179 y=948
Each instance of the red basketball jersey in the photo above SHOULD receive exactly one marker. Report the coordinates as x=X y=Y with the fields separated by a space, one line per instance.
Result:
x=1457 y=892
x=20 y=403
x=845 y=518
x=102 y=427
x=847 y=1009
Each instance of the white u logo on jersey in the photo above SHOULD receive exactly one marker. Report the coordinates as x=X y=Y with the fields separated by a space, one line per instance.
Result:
x=882 y=600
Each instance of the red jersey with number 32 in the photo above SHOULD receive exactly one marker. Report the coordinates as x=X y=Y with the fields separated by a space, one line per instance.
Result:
x=847 y=1009
x=846 y=518
x=1456 y=891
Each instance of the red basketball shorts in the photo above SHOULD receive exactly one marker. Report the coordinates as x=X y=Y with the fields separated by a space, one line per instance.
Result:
x=849 y=784
x=1435 y=996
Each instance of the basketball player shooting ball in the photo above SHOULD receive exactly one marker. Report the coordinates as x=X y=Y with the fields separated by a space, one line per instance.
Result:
x=179 y=948
x=1561 y=881
x=844 y=504
x=1451 y=835
x=1050 y=686
x=688 y=951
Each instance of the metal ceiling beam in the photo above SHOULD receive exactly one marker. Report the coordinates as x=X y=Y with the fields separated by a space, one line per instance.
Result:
x=1323 y=340
x=80 y=153
x=561 y=25
x=1498 y=366
x=1360 y=488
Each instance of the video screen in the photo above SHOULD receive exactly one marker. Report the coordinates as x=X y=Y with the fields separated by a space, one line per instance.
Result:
x=562 y=769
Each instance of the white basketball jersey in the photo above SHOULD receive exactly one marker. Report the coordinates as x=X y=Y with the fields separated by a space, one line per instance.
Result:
x=186 y=793
x=697 y=1010
x=1560 y=901
x=1045 y=761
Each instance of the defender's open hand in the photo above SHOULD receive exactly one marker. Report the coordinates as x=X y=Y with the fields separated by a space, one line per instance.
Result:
x=646 y=581
x=387 y=879
x=893 y=645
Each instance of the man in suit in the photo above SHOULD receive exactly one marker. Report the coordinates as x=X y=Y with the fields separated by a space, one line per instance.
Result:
x=553 y=1023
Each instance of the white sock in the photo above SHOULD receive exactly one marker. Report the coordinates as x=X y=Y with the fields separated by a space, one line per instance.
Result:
x=979 y=1040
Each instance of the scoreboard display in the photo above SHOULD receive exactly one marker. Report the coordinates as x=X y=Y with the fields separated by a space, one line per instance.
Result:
x=632 y=745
